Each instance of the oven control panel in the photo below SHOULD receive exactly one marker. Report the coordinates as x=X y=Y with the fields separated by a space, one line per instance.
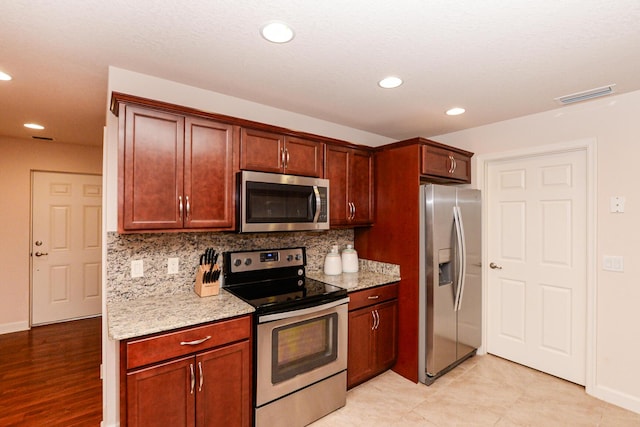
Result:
x=265 y=259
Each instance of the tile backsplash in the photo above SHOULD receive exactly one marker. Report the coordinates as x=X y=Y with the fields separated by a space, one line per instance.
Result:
x=155 y=249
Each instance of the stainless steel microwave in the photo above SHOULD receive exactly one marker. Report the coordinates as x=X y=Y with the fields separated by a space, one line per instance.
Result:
x=276 y=202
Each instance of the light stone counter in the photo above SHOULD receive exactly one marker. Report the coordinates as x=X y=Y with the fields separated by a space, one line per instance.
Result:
x=370 y=274
x=143 y=316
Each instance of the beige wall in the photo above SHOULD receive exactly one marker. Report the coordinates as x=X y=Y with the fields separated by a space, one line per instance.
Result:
x=18 y=157
x=614 y=122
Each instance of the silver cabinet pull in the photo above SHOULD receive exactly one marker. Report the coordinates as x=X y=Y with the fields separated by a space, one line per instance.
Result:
x=180 y=205
x=495 y=266
x=41 y=253
x=287 y=159
x=373 y=316
x=188 y=207
x=282 y=158
x=354 y=211
x=193 y=378
x=450 y=164
x=455 y=164
x=196 y=342
x=201 y=376
x=377 y=319
x=373 y=297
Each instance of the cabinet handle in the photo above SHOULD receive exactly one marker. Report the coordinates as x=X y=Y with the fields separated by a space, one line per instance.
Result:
x=373 y=316
x=377 y=319
x=450 y=165
x=196 y=342
x=286 y=164
x=373 y=297
x=354 y=211
x=188 y=207
x=282 y=158
x=180 y=205
x=201 y=376
x=193 y=378
x=455 y=164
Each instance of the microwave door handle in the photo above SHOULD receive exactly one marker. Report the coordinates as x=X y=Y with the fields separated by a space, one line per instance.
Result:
x=316 y=192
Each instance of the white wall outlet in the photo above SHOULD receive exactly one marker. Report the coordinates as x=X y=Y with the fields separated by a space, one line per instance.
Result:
x=613 y=263
x=137 y=268
x=617 y=204
x=173 y=265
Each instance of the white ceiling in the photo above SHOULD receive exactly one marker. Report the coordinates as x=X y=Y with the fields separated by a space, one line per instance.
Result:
x=498 y=59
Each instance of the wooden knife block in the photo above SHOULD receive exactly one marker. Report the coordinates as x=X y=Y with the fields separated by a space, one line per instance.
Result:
x=206 y=289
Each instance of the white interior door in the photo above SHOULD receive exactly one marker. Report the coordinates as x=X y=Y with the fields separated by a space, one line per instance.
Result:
x=537 y=283
x=66 y=246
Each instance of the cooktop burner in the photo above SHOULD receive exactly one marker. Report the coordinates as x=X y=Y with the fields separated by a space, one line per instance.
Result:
x=274 y=281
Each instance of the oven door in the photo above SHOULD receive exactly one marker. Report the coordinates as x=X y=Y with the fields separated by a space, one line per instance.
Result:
x=299 y=348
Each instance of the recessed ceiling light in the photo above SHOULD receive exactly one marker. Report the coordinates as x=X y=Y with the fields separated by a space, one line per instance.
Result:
x=277 y=32
x=390 y=82
x=33 y=126
x=4 y=76
x=456 y=111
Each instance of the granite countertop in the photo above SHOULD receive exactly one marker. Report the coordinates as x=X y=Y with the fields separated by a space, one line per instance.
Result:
x=363 y=279
x=143 y=316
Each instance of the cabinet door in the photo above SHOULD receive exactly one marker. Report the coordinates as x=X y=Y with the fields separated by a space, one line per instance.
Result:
x=361 y=187
x=151 y=155
x=439 y=162
x=386 y=334
x=261 y=151
x=162 y=395
x=208 y=174
x=361 y=357
x=303 y=157
x=224 y=386
x=336 y=171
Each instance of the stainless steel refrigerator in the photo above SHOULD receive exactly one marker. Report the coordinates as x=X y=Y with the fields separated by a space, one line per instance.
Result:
x=450 y=287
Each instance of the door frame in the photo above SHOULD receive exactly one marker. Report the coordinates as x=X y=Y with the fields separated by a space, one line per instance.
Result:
x=589 y=146
x=32 y=173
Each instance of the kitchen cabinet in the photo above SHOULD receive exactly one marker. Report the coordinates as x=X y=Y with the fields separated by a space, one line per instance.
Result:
x=350 y=174
x=277 y=153
x=176 y=172
x=198 y=376
x=373 y=329
x=445 y=163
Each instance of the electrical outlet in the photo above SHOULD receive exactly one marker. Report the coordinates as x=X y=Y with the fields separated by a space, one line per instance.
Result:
x=613 y=263
x=173 y=265
x=137 y=268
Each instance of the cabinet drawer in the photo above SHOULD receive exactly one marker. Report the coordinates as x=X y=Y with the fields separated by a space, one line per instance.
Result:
x=144 y=351
x=372 y=296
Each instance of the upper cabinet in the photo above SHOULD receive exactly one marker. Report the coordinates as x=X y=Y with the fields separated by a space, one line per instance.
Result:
x=273 y=152
x=445 y=162
x=176 y=171
x=350 y=174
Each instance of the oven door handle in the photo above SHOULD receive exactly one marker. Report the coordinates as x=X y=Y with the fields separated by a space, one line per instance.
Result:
x=309 y=310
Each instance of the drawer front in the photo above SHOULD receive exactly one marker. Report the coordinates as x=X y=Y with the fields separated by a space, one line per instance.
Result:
x=372 y=296
x=154 y=349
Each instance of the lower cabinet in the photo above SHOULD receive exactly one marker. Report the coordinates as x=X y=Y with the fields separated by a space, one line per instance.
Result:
x=373 y=332
x=209 y=386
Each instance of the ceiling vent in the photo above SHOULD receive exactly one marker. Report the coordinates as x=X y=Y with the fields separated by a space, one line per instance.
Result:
x=587 y=94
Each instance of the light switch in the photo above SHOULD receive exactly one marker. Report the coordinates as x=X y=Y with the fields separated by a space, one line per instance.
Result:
x=613 y=263
x=617 y=204
x=137 y=268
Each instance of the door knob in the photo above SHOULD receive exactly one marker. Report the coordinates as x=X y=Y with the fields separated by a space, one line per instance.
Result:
x=495 y=266
x=41 y=253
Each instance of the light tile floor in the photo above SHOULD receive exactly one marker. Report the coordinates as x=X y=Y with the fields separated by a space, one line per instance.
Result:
x=483 y=391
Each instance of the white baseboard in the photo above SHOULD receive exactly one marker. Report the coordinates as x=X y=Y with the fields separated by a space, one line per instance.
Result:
x=615 y=397
x=7 y=328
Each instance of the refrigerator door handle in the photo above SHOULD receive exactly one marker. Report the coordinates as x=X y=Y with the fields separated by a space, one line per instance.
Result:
x=462 y=256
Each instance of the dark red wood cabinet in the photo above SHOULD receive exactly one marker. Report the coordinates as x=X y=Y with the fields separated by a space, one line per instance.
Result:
x=373 y=333
x=350 y=174
x=176 y=171
x=166 y=382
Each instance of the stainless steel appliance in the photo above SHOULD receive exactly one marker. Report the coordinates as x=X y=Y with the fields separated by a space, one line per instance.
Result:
x=276 y=202
x=450 y=287
x=300 y=336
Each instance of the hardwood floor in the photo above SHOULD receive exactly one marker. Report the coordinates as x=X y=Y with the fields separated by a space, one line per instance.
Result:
x=50 y=375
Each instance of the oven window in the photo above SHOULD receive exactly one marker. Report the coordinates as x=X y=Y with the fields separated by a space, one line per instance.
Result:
x=301 y=347
x=276 y=203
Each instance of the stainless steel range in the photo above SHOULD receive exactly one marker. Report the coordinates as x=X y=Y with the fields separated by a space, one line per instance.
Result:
x=300 y=341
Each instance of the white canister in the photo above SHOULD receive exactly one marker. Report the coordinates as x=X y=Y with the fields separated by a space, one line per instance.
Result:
x=333 y=262
x=349 y=260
